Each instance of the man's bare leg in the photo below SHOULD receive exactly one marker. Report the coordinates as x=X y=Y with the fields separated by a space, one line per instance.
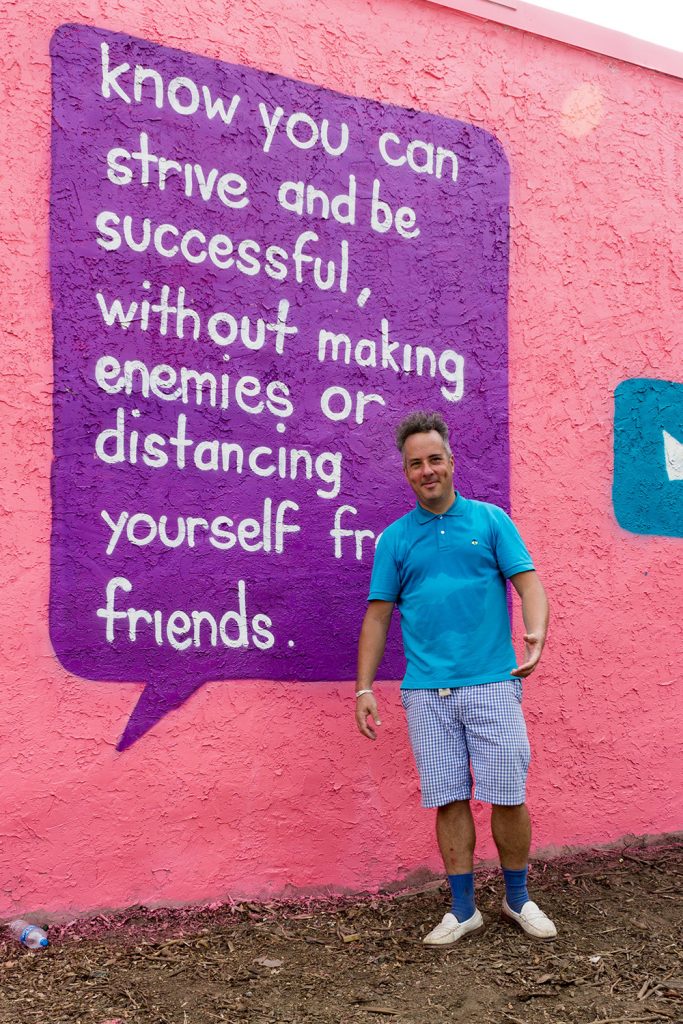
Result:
x=456 y=836
x=511 y=828
x=455 y=833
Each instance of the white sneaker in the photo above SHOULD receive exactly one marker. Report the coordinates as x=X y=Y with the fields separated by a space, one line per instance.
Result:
x=450 y=929
x=532 y=920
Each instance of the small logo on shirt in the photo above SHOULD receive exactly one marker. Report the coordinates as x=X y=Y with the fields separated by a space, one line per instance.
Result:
x=475 y=541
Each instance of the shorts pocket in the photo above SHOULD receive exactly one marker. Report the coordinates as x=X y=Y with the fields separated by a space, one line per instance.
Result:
x=405 y=698
x=517 y=689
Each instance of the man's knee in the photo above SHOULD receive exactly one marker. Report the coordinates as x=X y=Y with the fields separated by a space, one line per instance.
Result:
x=455 y=808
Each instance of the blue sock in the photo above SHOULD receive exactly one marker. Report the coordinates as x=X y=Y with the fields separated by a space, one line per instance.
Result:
x=462 y=893
x=515 y=888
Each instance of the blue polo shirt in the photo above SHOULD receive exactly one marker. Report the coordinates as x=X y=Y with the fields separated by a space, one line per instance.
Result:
x=446 y=573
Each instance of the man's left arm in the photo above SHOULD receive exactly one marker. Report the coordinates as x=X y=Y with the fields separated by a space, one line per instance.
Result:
x=535 y=612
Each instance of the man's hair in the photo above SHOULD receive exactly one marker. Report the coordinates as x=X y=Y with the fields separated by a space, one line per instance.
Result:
x=422 y=423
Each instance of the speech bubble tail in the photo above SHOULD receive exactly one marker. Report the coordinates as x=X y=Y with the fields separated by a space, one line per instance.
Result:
x=156 y=700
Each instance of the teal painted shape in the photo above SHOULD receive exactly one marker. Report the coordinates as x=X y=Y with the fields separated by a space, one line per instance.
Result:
x=647 y=496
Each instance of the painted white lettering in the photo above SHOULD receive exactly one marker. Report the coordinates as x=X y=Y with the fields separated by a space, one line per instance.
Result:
x=382 y=217
x=421 y=157
x=339 y=532
x=182 y=94
x=246 y=256
x=389 y=355
x=189 y=106
x=180 y=629
x=110 y=78
x=270 y=123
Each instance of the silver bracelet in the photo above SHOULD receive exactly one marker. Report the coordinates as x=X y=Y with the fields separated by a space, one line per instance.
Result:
x=359 y=693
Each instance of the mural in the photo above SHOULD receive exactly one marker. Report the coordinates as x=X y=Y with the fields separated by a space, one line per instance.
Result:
x=253 y=279
x=648 y=456
x=261 y=787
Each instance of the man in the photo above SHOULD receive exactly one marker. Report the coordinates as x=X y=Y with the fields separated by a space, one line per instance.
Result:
x=445 y=564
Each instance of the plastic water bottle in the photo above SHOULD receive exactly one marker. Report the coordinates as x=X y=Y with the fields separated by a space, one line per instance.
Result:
x=29 y=935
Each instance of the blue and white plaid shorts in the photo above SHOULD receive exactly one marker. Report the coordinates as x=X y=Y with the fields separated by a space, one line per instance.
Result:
x=480 y=725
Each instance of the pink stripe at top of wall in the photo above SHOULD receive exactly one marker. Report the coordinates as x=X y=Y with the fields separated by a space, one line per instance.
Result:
x=574 y=31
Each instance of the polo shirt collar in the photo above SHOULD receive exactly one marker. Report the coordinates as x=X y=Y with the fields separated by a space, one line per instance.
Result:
x=457 y=509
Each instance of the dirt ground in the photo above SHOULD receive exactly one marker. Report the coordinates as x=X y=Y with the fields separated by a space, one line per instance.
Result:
x=360 y=961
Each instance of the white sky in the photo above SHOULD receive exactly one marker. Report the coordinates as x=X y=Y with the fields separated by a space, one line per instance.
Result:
x=657 y=21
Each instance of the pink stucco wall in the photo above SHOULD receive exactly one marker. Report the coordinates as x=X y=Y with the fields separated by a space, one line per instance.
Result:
x=262 y=788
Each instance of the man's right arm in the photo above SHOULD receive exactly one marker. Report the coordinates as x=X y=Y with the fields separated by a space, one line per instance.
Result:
x=373 y=638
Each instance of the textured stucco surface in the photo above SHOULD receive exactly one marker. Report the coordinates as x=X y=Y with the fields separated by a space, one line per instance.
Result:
x=258 y=788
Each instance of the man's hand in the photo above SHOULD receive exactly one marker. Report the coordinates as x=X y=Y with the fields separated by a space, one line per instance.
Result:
x=367 y=705
x=533 y=646
x=535 y=614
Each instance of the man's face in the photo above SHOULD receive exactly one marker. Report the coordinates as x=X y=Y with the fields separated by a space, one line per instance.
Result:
x=429 y=470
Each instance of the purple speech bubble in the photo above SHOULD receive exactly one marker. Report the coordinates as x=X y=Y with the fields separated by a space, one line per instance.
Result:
x=253 y=280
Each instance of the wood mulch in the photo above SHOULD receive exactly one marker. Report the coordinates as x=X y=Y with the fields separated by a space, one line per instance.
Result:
x=617 y=958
